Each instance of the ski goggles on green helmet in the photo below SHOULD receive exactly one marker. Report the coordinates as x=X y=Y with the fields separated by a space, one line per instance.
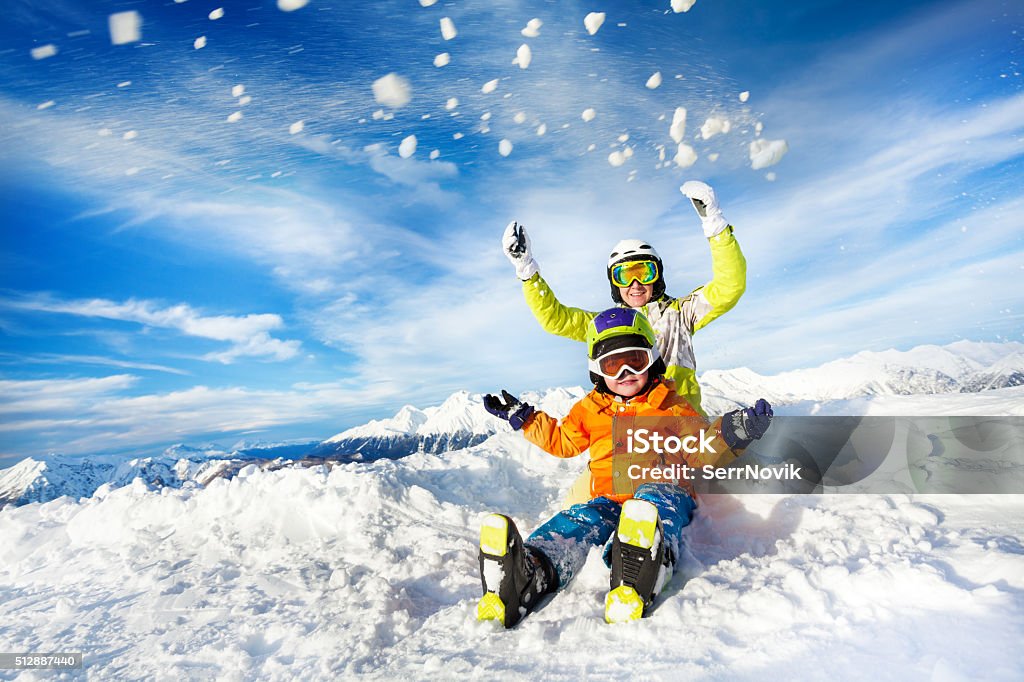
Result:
x=614 y=364
x=643 y=271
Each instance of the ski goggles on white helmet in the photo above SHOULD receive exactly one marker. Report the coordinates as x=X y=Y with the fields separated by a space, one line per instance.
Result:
x=614 y=364
x=643 y=271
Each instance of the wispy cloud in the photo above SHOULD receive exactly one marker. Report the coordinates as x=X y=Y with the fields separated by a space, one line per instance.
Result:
x=67 y=359
x=249 y=335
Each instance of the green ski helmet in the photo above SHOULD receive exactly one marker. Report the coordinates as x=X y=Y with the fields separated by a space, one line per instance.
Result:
x=621 y=328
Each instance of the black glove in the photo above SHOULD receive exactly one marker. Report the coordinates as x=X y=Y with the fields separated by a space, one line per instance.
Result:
x=511 y=410
x=742 y=427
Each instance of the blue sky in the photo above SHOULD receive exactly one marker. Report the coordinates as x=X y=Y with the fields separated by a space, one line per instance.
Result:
x=170 y=271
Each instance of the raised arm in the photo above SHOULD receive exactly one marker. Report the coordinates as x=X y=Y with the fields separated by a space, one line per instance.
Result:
x=554 y=317
x=728 y=266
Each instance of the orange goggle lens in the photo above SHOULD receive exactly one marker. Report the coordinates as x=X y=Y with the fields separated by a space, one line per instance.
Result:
x=643 y=271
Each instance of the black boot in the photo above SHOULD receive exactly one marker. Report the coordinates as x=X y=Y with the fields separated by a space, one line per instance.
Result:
x=641 y=564
x=514 y=577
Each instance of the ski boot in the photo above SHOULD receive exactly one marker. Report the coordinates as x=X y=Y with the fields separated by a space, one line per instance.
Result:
x=641 y=564
x=514 y=577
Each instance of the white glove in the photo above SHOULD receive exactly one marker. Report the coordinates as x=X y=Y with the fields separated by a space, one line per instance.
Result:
x=706 y=205
x=516 y=245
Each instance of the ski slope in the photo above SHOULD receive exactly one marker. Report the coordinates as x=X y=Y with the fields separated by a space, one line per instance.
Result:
x=370 y=569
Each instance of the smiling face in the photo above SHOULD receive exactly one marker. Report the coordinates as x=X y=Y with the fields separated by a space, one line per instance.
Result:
x=627 y=385
x=636 y=295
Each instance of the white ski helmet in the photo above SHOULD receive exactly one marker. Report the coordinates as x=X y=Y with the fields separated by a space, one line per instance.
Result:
x=630 y=250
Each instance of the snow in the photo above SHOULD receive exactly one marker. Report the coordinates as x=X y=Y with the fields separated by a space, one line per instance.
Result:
x=505 y=147
x=291 y=5
x=237 y=90
x=764 y=153
x=434 y=154
x=124 y=84
x=45 y=105
x=216 y=14
x=542 y=129
x=125 y=27
x=489 y=87
x=714 y=126
x=442 y=59
x=588 y=115
x=448 y=28
x=408 y=147
x=243 y=100
x=519 y=117
x=43 y=51
x=682 y=5
x=532 y=29
x=745 y=95
x=654 y=81
x=296 y=128
x=199 y=43
x=685 y=156
x=617 y=158
x=593 y=22
x=392 y=91
x=451 y=103
x=523 y=56
x=235 y=117
x=678 y=128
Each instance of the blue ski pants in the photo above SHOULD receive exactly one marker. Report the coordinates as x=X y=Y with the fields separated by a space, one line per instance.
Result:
x=566 y=538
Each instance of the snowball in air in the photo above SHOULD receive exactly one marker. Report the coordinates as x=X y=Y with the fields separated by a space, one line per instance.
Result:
x=125 y=27
x=199 y=43
x=47 y=104
x=489 y=86
x=532 y=29
x=523 y=56
x=745 y=95
x=504 y=147
x=712 y=157
x=451 y=103
x=130 y=135
x=442 y=59
x=392 y=90
x=682 y=5
x=588 y=115
x=713 y=126
x=617 y=158
x=235 y=117
x=217 y=14
x=542 y=129
x=434 y=154
x=408 y=147
x=685 y=156
x=44 y=51
x=520 y=117
x=296 y=127
x=427 y=3
x=291 y=5
x=593 y=23
x=764 y=153
x=654 y=81
x=238 y=91
x=448 y=28
x=678 y=127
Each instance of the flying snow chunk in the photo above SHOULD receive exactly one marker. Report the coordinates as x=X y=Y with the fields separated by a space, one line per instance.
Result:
x=713 y=126
x=45 y=105
x=713 y=157
x=451 y=103
x=448 y=28
x=442 y=59
x=291 y=5
x=238 y=91
x=408 y=147
x=199 y=43
x=296 y=127
x=764 y=153
x=125 y=27
x=235 y=117
x=678 y=127
x=124 y=84
x=43 y=51
x=434 y=154
x=520 y=117
x=458 y=136
x=682 y=5
x=593 y=23
x=617 y=158
x=427 y=3
x=654 y=81
x=770 y=177
x=588 y=115
x=489 y=86
x=685 y=156
x=542 y=129
x=532 y=29
x=745 y=95
x=392 y=91
x=243 y=100
x=217 y=14
x=523 y=56
x=504 y=147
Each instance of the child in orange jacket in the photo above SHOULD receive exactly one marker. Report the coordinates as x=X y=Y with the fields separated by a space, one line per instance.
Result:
x=629 y=492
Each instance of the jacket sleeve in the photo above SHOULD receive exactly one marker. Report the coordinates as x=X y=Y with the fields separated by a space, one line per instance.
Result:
x=566 y=439
x=721 y=456
x=555 y=318
x=728 y=282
